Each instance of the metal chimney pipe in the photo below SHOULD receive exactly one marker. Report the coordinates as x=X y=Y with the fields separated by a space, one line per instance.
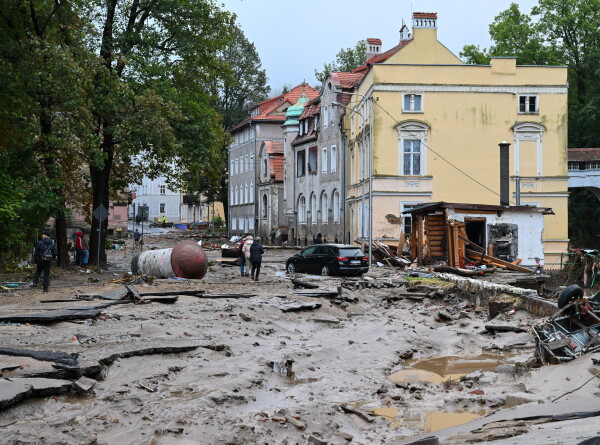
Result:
x=504 y=176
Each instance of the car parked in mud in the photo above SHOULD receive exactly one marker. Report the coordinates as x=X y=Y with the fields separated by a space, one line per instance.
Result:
x=329 y=259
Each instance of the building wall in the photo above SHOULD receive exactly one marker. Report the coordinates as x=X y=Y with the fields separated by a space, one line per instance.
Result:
x=156 y=195
x=467 y=110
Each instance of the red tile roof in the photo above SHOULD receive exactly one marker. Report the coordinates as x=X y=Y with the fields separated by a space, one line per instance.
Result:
x=346 y=80
x=276 y=159
x=268 y=108
x=584 y=154
x=274 y=147
x=379 y=58
x=374 y=41
x=424 y=15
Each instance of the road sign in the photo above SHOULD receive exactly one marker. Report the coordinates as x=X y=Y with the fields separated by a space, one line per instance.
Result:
x=100 y=213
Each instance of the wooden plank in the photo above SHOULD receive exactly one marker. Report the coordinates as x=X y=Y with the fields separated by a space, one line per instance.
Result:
x=420 y=240
x=496 y=261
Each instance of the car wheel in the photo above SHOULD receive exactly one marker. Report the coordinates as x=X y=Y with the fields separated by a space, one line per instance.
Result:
x=325 y=271
x=291 y=268
x=569 y=294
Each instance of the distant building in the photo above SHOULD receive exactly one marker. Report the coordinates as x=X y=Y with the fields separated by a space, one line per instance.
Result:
x=157 y=197
x=263 y=124
x=271 y=216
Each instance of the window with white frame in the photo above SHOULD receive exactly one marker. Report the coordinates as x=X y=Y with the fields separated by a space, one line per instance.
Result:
x=407 y=217
x=325 y=116
x=336 y=206
x=163 y=189
x=162 y=207
x=265 y=167
x=528 y=149
x=302 y=209
x=231 y=168
x=233 y=223
x=333 y=160
x=412 y=103
x=264 y=206
x=313 y=208
x=528 y=104
x=300 y=163
x=236 y=198
x=251 y=197
x=324 y=160
x=235 y=164
x=251 y=162
x=324 y=208
x=412 y=140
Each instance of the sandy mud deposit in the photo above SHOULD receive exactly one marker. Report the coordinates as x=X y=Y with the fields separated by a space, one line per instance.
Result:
x=390 y=360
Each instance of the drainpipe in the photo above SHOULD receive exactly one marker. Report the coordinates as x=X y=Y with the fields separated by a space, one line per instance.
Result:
x=370 y=182
x=343 y=187
x=504 y=173
x=255 y=216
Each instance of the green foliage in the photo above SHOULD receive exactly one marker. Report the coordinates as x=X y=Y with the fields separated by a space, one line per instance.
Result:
x=218 y=221
x=345 y=60
x=473 y=55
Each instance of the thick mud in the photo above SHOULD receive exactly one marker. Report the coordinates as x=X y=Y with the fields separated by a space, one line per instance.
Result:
x=255 y=374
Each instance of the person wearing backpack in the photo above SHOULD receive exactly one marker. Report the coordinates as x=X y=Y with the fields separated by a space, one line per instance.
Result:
x=256 y=253
x=45 y=252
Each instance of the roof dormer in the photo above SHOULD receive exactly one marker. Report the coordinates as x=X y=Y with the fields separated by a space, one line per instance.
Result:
x=424 y=20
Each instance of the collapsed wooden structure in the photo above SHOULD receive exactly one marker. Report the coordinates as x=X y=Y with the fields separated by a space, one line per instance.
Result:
x=487 y=234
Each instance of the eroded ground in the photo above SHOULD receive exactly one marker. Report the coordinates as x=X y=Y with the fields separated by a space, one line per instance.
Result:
x=376 y=365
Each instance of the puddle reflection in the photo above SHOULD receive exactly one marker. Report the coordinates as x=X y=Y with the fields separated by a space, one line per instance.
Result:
x=428 y=421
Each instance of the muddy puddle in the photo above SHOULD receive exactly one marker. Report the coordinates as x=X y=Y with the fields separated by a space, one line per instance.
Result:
x=442 y=369
x=425 y=421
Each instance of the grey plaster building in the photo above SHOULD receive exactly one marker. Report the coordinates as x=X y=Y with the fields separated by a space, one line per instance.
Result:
x=263 y=124
x=272 y=225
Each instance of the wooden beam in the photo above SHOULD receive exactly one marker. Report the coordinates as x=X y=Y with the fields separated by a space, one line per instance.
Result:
x=496 y=261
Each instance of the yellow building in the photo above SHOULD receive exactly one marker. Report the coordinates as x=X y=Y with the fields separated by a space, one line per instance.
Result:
x=436 y=125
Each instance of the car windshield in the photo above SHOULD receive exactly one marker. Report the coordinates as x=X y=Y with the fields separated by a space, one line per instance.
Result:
x=351 y=252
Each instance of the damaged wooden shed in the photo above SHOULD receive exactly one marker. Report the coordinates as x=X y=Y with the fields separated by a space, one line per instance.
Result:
x=444 y=231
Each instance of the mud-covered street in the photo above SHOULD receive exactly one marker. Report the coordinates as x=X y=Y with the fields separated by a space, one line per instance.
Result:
x=234 y=361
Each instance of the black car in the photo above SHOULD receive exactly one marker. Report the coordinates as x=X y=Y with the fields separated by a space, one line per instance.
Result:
x=329 y=259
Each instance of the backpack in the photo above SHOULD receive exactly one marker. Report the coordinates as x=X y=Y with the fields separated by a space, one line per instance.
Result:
x=47 y=255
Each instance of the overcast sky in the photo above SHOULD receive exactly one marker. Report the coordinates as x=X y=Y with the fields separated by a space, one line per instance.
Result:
x=295 y=38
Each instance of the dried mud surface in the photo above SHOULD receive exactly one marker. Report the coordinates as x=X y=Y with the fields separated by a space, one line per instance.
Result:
x=262 y=376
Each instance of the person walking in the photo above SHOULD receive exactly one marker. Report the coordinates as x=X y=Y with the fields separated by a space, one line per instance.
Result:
x=86 y=251
x=45 y=252
x=242 y=256
x=78 y=247
x=137 y=236
x=256 y=253
x=318 y=239
x=246 y=250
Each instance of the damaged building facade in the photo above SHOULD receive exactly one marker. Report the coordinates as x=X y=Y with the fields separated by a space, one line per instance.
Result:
x=424 y=127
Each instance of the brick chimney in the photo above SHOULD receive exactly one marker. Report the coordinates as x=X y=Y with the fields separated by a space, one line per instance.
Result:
x=373 y=47
x=404 y=32
x=425 y=20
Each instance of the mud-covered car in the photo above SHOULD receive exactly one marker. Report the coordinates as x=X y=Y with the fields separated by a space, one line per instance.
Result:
x=329 y=259
x=573 y=330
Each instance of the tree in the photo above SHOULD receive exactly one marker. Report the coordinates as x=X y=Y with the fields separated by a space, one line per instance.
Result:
x=153 y=107
x=346 y=60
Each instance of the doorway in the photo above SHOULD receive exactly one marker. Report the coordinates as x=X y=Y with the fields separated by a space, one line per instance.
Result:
x=476 y=231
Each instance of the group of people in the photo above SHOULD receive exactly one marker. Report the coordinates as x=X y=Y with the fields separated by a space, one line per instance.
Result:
x=250 y=250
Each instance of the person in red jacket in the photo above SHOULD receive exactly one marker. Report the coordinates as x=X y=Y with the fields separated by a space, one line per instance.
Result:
x=78 y=248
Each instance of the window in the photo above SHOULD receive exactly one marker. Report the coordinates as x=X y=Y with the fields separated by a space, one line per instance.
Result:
x=333 y=166
x=302 y=210
x=301 y=129
x=231 y=168
x=313 y=209
x=251 y=197
x=305 y=126
x=325 y=116
x=264 y=206
x=407 y=217
x=163 y=189
x=312 y=160
x=265 y=168
x=412 y=157
x=232 y=197
x=301 y=163
x=528 y=104
x=236 y=166
x=247 y=167
x=246 y=197
x=251 y=162
x=162 y=207
x=412 y=140
x=233 y=223
x=336 y=206
x=412 y=103
x=324 y=160
x=236 y=199
x=250 y=223
x=316 y=122
x=324 y=209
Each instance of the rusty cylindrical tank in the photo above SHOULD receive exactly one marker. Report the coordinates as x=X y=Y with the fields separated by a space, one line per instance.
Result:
x=186 y=260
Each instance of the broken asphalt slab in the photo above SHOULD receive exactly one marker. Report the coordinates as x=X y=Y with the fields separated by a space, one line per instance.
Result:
x=52 y=316
x=13 y=391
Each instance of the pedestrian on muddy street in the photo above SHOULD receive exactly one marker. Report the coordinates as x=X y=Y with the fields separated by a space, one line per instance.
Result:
x=246 y=250
x=86 y=250
x=78 y=247
x=45 y=252
x=256 y=253
x=242 y=256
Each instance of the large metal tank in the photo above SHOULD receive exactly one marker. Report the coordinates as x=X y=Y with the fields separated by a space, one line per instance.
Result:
x=186 y=260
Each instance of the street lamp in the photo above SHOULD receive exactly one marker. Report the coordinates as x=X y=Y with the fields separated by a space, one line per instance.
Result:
x=370 y=157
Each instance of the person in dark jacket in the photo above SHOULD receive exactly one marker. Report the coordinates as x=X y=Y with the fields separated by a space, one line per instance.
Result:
x=256 y=253
x=318 y=239
x=42 y=262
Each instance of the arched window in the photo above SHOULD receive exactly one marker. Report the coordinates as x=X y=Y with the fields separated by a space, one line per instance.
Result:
x=265 y=167
x=302 y=209
x=412 y=139
x=246 y=197
x=336 y=206
x=251 y=197
x=264 y=206
x=324 y=208
x=236 y=198
x=313 y=208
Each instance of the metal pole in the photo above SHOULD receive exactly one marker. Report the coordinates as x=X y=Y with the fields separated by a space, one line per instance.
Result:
x=370 y=182
x=518 y=191
x=99 y=239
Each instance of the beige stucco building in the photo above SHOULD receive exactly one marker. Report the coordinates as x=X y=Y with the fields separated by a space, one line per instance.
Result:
x=424 y=127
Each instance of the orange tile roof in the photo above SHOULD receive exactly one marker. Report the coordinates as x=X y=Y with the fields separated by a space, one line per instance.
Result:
x=372 y=41
x=274 y=147
x=584 y=154
x=346 y=80
x=378 y=58
x=277 y=166
x=267 y=108
x=424 y=15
